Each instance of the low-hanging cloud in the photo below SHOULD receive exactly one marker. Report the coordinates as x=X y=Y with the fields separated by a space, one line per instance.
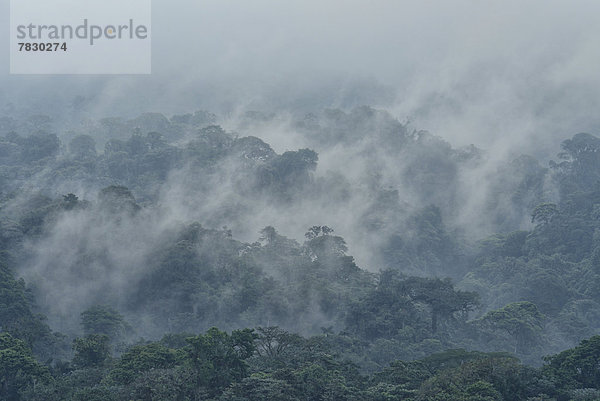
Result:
x=509 y=77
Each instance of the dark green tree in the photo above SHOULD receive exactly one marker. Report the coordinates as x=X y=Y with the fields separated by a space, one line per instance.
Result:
x=577 y=367
x=521 y=320
x=218 y=359
x=143 y=358
x=91 y=351
x=102 y=319
x=18 y=368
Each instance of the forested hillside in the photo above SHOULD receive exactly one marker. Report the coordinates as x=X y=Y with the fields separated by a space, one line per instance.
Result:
x=169 y=258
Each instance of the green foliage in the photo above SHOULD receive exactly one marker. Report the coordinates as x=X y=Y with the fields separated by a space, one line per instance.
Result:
x=218 y=359
x=394 y=303
x=532 y=292
x=83 y=147
x=543 y=213
x=143 y=358
x=577 y=368
x=521 y=320
x=273 y=341
x=259 y=387
x=92 y=350
x=16 y=316
x=102 y=319
x=578 y=169
x=40 y=146
x=117 y=199
x=486 y=378
x=18 y=368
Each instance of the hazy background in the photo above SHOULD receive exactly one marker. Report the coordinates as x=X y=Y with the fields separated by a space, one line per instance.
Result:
x=497 y=74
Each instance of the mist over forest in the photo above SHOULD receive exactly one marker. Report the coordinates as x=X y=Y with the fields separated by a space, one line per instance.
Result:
x=400 y=203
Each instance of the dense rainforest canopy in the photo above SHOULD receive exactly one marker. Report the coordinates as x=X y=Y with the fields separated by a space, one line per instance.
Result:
x=167 y=258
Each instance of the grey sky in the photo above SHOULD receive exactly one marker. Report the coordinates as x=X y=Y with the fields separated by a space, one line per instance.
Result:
x=470 y=71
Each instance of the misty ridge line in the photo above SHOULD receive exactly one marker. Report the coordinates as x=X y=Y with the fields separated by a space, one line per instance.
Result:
x=181 y=224
x=241 y=183
x=357 y=146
